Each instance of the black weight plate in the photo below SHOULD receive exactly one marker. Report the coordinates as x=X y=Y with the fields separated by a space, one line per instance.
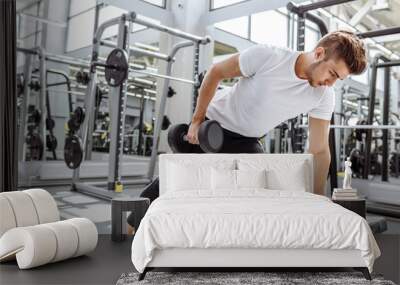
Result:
x=211 y=136
x=72 y=126
x=165 y=123
x=79 y=115
x=117 y=70
x=176 y=141
x=82 y=77
x=35 y=147
x=77 y=118
x=35 y=117
x=50 y=124
x=73 y=152
x=51 y=142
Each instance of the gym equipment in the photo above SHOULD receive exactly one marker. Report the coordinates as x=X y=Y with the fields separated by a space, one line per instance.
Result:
x=50 y=124
x=165 y=123
x=77 y=118
x=117 y=97
x=20 y=84
x=82 y=77
x=116 y=67
x=34 y=85
x=73 y=151
x=302 y=14
x=395 y=164
x=34 y=115
x=35 y=145
x=210 y=135
x=51 y=142
x=171 y=92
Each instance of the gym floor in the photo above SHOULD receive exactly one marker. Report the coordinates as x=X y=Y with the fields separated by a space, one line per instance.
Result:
x=110 y=259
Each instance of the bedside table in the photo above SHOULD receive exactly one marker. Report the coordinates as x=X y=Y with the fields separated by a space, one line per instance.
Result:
x=357 y=206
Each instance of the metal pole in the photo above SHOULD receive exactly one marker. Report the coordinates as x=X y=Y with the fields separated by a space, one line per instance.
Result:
x=118 y=101
x=371 y=109
x=172 y=31
x=137 y=51
x=85 y=133
x=25 y=104
x=365 y=127
x=58 y=58
x=388 y=64
x=378 y=33
x=161 y=111
x=42 y=98
x=139 y=149
x=196 y=54
x=320 y=4
x=43 y=20
x=67 y=82
x=162 y=76
x=385 y=121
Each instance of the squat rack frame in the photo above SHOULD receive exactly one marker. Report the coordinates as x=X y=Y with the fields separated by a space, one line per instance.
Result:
x=302 y=13
x=111 y=188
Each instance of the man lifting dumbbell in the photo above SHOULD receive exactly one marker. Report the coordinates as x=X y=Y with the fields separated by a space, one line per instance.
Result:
x=277 y=84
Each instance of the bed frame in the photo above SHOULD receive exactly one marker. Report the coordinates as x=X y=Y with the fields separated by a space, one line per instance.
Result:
x=242 y=259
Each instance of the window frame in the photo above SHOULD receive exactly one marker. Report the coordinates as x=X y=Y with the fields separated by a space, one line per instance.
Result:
x=164 y=5
x=211 y=2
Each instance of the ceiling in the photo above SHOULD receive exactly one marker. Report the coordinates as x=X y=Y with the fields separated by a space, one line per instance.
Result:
x=379 y=14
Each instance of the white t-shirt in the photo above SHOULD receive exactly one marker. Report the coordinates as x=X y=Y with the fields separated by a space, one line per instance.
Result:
x=268 y=94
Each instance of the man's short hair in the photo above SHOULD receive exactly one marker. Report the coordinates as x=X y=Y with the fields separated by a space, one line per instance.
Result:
x=347 y=46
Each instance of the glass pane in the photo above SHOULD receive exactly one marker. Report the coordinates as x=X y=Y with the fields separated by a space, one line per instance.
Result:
x=263 y=35
x=78 y=37
x=363 y=78
x=77 y=6
x=222 y=3
x=311 y=39
x=238 y=26
x=160 y=3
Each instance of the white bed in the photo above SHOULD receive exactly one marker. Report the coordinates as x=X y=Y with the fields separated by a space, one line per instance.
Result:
x=226 y=226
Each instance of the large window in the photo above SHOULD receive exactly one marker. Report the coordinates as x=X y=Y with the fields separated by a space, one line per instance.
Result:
x=311 y=38
x=215 y=4
x=238 y=26
x=81 y=14
x=159 y=3
x=262 y=31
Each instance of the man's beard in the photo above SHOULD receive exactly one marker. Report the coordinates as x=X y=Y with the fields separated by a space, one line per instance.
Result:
x=310 y=73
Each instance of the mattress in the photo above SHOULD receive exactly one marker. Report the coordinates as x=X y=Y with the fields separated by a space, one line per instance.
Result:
x=250 y=219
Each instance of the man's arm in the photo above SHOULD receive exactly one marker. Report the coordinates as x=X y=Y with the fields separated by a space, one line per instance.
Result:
x=228 y=68
x=319 y=147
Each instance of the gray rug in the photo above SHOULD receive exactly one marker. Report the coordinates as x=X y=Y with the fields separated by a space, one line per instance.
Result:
x=231 y=278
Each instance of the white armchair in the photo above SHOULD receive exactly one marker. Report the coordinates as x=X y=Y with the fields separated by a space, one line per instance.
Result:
x=31 y=232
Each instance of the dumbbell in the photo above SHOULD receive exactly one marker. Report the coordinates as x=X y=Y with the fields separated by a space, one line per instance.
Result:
x=77 y=118
x=210 y=135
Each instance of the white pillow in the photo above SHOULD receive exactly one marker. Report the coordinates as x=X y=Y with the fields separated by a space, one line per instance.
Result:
x=251 y=178
x=223 y=179
x=187 y=177
x=293 y=178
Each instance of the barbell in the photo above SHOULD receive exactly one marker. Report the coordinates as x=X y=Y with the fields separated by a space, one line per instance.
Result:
x=378 y=127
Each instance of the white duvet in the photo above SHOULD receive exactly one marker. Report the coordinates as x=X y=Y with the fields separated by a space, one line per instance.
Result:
x=253 y=218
